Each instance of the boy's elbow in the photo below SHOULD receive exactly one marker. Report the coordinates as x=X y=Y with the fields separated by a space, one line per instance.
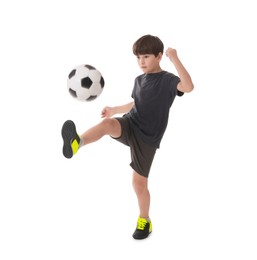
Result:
x=188 y=88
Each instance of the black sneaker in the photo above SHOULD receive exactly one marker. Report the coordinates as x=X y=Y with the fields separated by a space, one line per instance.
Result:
x=70 y=139
x=144 y=228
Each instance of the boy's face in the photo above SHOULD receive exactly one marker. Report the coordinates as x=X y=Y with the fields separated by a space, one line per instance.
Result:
x=148 y=63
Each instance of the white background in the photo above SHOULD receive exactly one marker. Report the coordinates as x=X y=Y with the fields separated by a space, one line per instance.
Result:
x=203 y=180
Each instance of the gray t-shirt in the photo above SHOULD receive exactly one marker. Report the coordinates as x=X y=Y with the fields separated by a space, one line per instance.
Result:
x=153 y=95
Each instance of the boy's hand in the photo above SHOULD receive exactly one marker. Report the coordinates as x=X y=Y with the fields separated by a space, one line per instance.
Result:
x=171 y=54
x=107 y=112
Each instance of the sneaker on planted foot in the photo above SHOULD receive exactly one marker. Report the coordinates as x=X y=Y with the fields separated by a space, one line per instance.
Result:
x=71 y=139
x=144 y=228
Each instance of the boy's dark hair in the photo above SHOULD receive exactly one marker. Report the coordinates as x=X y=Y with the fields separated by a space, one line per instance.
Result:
x=148 y=44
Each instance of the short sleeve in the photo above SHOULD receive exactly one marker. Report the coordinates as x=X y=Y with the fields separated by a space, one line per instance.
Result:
x=174 y=82
x=180 y=93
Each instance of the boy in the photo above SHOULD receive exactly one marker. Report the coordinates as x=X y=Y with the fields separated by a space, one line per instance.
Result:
x=144 y=121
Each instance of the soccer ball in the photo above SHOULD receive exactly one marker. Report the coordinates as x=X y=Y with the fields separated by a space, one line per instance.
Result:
x=85 y=83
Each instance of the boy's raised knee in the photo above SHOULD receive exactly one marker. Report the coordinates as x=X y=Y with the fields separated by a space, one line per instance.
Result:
x=111 y=127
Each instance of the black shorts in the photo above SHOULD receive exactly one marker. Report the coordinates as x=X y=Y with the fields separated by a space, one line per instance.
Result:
x=142 y=154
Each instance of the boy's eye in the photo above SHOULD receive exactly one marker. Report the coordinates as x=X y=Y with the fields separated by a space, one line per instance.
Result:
x=143 y=57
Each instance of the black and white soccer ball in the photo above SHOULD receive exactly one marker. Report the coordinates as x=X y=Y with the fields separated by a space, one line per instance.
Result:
x=85 y=83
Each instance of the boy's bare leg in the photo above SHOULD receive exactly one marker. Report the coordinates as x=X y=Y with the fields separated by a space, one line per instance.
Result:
x=109 y=126
x=144 y=224
x=72 y=141
x=140 y=185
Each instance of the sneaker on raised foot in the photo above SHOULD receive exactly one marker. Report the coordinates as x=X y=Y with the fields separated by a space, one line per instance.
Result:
x=144 y=228
x=71 y=139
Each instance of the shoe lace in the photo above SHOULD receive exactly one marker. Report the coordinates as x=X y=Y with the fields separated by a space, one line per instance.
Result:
x=141 y=223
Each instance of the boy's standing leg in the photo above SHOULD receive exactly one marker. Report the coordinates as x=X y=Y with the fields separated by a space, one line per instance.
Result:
x=140 y=185
x=144 y=225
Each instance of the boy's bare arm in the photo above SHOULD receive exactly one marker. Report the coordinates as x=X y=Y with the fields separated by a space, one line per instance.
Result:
x=111 y=111
x=185 y=84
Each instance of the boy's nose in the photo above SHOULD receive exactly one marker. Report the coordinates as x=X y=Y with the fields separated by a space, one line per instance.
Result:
x=142 y=61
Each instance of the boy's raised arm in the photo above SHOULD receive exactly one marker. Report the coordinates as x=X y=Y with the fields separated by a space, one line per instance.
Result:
x=186 y=84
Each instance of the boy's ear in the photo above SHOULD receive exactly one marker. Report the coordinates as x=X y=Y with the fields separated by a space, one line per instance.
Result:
x=159 y=56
